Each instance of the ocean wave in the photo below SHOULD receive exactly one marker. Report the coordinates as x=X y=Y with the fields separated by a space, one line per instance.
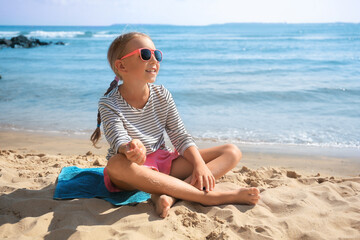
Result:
x=238 y=137
x=179 y=36
x=9 y=34
x=13 y=127
x=71 y=34
x=250 y=138
x=56 y=34
x=86 y=34
x=106 y=34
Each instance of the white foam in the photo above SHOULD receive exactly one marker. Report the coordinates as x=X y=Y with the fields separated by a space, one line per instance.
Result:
x=58 y=34
x=8 y=34
x=105 y=35
x=288 y=139
x=65 y=34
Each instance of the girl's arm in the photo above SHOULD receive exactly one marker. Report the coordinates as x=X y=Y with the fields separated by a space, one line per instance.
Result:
x=193 y=156
x=174 y=127
x=201 y=177
x=114 y=130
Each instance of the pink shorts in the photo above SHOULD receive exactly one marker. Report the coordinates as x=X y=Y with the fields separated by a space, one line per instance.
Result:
x=159 y=160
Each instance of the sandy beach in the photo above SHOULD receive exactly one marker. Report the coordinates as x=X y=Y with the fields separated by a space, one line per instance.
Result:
x=304 y=195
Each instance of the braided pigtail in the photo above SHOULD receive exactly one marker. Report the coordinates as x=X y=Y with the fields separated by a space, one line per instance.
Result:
x=95 y=137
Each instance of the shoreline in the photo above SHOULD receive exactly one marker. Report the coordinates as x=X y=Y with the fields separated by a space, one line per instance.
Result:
x=307 y=159
x=348 y=152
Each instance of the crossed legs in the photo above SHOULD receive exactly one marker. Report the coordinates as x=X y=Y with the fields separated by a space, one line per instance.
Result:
x=166 y=188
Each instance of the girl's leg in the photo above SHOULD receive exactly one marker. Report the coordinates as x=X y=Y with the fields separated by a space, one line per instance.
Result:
x=219 y=160
x=128 y=175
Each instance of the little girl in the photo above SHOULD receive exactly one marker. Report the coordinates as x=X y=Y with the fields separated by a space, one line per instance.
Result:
x=135 y=115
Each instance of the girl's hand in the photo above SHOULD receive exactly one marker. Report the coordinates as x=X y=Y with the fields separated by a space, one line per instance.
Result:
x=202 y=178
x=136 y=151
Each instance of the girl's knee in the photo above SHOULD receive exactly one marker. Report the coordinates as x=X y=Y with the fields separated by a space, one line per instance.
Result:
x=118 y=166
x=234 y=152
x=121 y=171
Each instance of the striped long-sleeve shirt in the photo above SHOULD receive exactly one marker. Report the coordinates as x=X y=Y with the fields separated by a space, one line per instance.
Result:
x=122 y=122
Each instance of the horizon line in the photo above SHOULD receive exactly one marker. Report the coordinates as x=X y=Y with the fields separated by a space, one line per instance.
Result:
x=179 y=25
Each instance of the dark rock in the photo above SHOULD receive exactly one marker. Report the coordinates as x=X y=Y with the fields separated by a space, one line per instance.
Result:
x=96 y=163
x=0 y=77
x=38 y=42
x=292 y=174
x=321 y=180
x=6 y=42
x=22 y=41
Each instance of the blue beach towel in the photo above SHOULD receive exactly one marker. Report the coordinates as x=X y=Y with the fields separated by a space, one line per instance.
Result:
x=74 y=182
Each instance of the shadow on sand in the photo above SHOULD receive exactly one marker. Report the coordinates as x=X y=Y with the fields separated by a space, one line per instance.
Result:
x=66 y=215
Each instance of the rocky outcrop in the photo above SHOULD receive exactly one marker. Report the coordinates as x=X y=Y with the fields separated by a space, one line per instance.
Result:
x=23 y=42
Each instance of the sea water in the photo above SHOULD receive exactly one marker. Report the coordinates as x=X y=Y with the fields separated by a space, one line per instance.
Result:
x=288 y=84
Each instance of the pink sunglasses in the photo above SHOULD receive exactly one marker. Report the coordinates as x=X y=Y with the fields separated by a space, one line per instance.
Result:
x=145 y=54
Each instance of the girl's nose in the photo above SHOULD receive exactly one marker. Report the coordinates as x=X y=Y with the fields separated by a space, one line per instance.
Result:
x=153 y=59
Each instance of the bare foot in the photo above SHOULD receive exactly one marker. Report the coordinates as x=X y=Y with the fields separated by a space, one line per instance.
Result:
x=249 y=196
x=162 y=204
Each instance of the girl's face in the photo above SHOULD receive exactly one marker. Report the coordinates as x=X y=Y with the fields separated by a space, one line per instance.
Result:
x=136 y=68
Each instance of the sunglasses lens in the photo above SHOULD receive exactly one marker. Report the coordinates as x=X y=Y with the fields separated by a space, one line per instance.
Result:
x=145 y=54
x=158 y=55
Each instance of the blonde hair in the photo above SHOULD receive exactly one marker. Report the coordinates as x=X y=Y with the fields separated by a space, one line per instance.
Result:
x=117 y=48
x=115 y=51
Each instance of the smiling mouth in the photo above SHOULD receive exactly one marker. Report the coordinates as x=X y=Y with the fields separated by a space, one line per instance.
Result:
x=151 y=71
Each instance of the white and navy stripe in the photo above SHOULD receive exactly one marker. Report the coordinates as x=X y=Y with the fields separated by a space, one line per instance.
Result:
x=122 y=122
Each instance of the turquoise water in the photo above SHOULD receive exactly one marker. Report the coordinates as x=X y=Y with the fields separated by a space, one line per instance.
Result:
x=249 y=83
